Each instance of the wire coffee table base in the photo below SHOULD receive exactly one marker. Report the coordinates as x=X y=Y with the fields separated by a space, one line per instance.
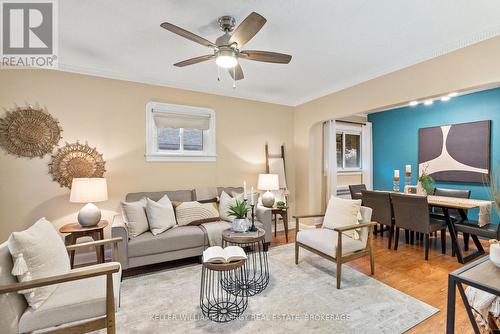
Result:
x=220 y=301
x=256 y=270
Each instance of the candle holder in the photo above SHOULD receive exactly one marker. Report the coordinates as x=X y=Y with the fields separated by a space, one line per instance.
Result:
x=396 y=184
x=407 y=179
x=253 y=228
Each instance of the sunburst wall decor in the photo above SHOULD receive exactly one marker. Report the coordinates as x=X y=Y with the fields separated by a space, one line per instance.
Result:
x=76 y=160
x=29 y=132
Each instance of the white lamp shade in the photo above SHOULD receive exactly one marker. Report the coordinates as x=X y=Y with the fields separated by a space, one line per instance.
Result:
x=268 y=182
x=88 y=190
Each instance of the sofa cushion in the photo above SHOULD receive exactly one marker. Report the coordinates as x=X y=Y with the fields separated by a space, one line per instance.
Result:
x=134 y=215
x=71 y=301
x=325 y=241
x=177 y=195
x=160 y=214
x=188 y=212
x=38 y=252
x=177 y=238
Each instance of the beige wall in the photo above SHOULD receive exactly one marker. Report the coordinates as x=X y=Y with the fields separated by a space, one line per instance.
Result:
x=475 y=66
x=110 y=115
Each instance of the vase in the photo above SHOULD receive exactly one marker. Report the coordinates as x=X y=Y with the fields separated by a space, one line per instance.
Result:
x=495 y=254
x=239 y=225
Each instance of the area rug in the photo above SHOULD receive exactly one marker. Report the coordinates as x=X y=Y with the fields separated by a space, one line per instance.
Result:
x=299 y=299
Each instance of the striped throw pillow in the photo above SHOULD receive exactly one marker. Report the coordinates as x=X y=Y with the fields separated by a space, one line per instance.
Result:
x=187 y=212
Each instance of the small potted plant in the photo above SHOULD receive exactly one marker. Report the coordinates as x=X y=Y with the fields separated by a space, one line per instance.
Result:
x=280 y=204
x=239 y=211
x=426 y=182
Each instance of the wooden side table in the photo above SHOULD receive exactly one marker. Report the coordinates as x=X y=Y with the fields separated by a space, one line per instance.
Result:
x=283 y=212
x=76 y=231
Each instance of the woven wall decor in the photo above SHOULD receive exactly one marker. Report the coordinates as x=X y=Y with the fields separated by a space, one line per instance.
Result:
x=29 y=132
x=75 y=160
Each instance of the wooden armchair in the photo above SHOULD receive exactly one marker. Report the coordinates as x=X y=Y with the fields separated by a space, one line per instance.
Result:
x=333 y=245
x=84 y=297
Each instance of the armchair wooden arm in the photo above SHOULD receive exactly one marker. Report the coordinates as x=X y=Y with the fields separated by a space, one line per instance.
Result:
x=298 y=217
x=353 y=227
x=104 y=269
x=98 y=243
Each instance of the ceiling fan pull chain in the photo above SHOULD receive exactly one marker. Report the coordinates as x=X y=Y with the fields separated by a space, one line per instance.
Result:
x=234 y=77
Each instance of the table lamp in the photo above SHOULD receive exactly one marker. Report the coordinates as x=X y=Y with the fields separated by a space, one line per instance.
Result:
x=268 y=182
x=89 y=190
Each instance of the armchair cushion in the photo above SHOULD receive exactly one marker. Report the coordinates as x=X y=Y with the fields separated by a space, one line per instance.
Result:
x=343 y=212
x=71 y=301
x=325 y=241
x=38 y=252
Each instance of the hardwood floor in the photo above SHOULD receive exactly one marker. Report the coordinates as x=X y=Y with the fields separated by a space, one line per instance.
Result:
x=407 y=271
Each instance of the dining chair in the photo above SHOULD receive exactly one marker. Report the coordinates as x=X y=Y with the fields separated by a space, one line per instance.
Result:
x=471 y=227
x=411 y=212
x=356 y=189
x=458 y=193
x=380 y=202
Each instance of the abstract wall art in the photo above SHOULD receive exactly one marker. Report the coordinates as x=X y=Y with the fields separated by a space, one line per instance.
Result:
x=456 y=153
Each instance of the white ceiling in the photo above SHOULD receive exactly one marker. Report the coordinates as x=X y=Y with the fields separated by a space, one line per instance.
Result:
x=334 y=43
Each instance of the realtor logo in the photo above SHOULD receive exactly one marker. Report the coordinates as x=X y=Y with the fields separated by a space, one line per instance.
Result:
x=29 y=33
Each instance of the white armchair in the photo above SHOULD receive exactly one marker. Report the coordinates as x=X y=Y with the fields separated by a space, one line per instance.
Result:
x=334 y=245
x=84 y=300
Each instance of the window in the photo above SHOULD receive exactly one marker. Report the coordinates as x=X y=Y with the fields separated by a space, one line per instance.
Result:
x=179 y=133
x=348 y=150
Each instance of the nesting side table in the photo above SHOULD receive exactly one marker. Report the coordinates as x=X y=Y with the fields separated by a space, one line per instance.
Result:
x=256 y=267
x=221 y=299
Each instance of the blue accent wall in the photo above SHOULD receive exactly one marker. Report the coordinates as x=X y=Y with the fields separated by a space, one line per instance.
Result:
x=395 y=136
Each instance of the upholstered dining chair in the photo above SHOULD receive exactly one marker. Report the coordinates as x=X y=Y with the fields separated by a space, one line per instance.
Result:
x=411 y=212
x=84 y=300
x=380 y=202
x=334 y=245
x=471 y=227
x=355 y=190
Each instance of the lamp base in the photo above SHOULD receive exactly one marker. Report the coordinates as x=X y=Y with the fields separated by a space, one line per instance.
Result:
x=268 y=199
x=89 y=215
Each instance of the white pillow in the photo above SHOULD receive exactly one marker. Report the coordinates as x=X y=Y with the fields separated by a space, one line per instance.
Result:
x=343 y=212
x=38 y=252
x=160 y=214
x=225 y=202
x=134 y=215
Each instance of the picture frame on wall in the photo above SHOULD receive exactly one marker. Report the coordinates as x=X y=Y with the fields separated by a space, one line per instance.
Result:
x=456 y=153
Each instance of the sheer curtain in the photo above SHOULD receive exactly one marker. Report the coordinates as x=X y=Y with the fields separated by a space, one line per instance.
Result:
x=366 y=151
x=330 y=156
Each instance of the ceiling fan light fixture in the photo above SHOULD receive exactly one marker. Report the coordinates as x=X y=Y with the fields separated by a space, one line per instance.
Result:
x=226 y=59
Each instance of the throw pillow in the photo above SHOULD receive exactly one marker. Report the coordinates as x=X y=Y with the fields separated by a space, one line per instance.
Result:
x=343 y=212
x=188 y=212
x=225 y=202
x=134 y=215
x=38 y=252
x=160 y=215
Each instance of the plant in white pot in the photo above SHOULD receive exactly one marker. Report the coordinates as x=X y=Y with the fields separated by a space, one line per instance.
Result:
x=239 y=211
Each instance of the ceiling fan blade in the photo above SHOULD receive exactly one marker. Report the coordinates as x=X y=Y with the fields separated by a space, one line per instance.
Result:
x=186 y=34
x=247 y=29
x=266 y=56
x=237 y=73
x=194 y=60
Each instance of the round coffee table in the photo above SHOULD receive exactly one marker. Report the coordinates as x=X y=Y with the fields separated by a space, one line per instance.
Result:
x=216 y=302
x=256 y=267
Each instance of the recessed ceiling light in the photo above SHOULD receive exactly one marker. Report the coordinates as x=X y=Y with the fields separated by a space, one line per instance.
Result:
x=445 y=98
x=413 y=103
x=428 y=102
x=453 y=94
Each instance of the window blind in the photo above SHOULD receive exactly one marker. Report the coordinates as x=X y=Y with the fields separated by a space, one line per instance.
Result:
x=178 y=120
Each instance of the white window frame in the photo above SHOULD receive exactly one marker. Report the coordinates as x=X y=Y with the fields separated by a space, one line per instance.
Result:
x=153 y=154
x=352 y=130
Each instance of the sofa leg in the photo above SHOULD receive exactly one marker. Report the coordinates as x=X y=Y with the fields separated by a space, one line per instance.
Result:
x=296 y=253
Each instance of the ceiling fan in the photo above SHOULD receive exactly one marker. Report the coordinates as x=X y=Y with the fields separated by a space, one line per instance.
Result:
x=227 y=49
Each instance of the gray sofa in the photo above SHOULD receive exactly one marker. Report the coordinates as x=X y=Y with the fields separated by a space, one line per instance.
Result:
x=176 y=243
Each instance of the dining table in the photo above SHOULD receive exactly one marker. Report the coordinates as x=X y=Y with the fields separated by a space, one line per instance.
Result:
x=461 y=205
